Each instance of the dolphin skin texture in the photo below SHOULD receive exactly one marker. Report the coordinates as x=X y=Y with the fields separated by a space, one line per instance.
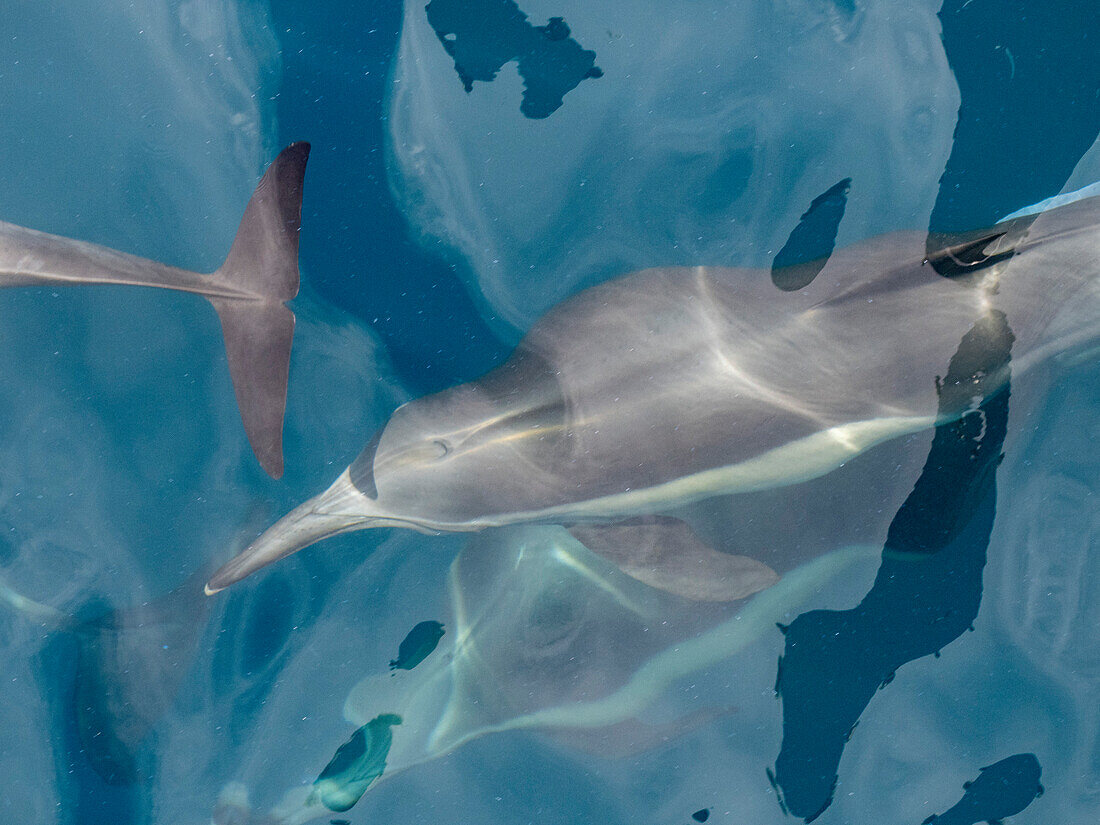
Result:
x=248 y=290
x=669 y=386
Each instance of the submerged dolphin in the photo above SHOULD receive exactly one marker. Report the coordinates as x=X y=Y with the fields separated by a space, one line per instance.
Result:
x=248 y=290
x=672 y=385
x=544 y=635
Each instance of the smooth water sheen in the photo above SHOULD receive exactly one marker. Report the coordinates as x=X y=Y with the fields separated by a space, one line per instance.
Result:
x=930 y=648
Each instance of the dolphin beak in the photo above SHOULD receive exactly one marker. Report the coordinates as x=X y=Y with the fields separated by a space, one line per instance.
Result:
x=301 y=527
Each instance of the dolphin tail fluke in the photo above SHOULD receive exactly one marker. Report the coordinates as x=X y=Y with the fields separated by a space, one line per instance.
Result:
x=258 y=337
x=262 y=268
x=263 y=260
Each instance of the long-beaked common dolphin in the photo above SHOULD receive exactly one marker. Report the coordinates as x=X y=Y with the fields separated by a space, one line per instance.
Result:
x=672 y=385
x=248 y=290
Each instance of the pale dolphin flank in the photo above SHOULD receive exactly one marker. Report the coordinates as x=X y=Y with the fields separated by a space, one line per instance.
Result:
x=669 y=386
x=248 y=290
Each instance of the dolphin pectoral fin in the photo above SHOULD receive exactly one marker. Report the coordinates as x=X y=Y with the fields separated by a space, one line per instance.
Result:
x=667 y=554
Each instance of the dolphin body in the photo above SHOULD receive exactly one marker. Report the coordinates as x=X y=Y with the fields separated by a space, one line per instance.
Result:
x=672 y=385
x=248 y=290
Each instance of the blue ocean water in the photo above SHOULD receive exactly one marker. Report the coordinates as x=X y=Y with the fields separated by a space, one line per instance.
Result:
x=473 y=164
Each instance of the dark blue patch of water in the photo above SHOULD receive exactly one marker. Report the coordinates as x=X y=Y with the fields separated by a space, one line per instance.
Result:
x=355 y=248
x=925 y=595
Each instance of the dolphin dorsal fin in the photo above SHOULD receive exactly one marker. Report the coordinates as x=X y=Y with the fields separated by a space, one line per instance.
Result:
x=968 y=255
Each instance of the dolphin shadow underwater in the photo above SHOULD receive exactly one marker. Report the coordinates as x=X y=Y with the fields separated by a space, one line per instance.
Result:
x=673 y=385
x=119 y=671
x=248 y=290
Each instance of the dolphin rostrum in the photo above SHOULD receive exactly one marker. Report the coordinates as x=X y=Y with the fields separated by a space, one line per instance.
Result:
x=248 y=290
x=672 y=385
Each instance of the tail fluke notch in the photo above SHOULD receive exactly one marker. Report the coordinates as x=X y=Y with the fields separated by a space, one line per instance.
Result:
x=262 y=268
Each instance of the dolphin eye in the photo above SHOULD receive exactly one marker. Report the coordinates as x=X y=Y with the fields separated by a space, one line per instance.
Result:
x=442 y=446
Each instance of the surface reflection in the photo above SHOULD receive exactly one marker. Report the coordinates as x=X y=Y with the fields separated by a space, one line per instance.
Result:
x=708 y=135
x=1002 y=789
x=719 y=135
x=485 y=35
x=927 y=591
